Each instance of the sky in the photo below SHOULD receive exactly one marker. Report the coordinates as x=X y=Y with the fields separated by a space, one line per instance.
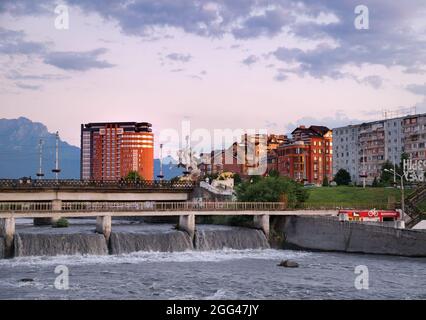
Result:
x=251 y=64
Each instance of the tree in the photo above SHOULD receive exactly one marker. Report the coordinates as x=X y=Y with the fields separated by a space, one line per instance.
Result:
x=342 y=178
x=400 y=169
x=271 y=189
x=133 y=176
x=325 y=182
x=375 y=183
x=273 y=173
x=386 y=177
x=237 y=179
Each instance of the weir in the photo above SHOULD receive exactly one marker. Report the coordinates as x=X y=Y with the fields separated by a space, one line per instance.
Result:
x=45 y=244
x=79 y=239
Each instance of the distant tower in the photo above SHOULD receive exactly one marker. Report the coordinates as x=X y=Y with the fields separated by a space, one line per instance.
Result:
x=161 y=175
x=40 y=173
x=56 y=171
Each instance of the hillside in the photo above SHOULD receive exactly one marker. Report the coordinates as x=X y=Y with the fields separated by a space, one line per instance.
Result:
x=19 y=155
x=352 y=196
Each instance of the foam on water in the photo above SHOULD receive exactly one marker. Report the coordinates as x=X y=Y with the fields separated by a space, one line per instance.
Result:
x=138 y=257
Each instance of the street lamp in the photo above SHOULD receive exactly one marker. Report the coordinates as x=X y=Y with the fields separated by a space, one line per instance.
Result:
x=402 y=190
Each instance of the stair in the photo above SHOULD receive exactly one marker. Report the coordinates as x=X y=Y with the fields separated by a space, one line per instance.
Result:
x=214 y=190
x=415 y=215
x=411 y=206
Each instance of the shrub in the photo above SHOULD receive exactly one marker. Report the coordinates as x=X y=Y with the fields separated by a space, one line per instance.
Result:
x=272 y=189
x=342 y=178
x=325 y=182
x=61 y=223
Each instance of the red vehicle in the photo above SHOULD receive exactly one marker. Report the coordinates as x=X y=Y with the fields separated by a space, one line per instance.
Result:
x=369 y=215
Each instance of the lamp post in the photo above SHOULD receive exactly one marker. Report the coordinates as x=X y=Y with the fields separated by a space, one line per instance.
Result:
x=401 y=177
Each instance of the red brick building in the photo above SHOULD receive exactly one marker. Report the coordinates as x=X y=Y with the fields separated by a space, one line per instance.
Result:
x=243 y=156
x=307 y=158
x=220 y=161
x=109 y=151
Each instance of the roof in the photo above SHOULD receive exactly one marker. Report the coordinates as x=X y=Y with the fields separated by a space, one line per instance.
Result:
x=101 y=124
x=312 y=130
x=320 y=129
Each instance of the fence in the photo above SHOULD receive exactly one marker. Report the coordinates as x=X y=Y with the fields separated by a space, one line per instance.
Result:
x=176 y=206
x=22 y=184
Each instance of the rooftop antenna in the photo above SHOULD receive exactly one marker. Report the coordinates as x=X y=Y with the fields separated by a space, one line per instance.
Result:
x=40 y=173
x=56 y=171
x=161 y=176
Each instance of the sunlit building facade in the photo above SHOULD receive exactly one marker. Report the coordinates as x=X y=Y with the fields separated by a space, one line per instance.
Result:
x=110 y=151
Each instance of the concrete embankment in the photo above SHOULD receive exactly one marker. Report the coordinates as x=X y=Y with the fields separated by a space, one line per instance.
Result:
x=327 y=234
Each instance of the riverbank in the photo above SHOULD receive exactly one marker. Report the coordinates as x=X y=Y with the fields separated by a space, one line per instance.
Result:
x=351 y=196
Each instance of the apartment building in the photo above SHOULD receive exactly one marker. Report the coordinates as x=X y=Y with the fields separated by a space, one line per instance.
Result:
x=363 y=148
x=109 y=151
x=307 y=157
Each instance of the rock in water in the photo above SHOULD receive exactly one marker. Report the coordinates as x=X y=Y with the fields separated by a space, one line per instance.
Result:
x=288 y=264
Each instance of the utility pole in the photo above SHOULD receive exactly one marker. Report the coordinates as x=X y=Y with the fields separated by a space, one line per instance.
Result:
x=394 y=172
x=40 y=173
x=402 y=193
x=56 y=171
x=363 y=168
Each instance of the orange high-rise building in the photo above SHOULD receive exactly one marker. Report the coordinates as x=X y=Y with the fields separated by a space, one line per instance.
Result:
x=110 y=151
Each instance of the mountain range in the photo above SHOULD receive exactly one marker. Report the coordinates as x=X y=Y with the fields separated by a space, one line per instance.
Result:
x=19 y=152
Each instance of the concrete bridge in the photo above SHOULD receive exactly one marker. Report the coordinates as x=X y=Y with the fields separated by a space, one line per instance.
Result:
x=104 y=211
x=92 y=190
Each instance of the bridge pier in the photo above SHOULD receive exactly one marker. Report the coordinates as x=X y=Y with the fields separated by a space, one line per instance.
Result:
x=262 y=222
x=187 y=223
x=103 y=226
x=56 y=206
x=7 y=231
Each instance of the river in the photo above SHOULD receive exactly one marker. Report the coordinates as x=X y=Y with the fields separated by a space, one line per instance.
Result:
x=211 y=274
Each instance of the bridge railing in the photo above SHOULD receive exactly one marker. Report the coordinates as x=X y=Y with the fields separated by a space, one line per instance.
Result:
x=22 y=184
x=173 y=206
x=142 y=206
x=26 y=206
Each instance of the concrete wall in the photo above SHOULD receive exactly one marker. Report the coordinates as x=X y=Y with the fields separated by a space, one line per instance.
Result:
x=326 y=234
